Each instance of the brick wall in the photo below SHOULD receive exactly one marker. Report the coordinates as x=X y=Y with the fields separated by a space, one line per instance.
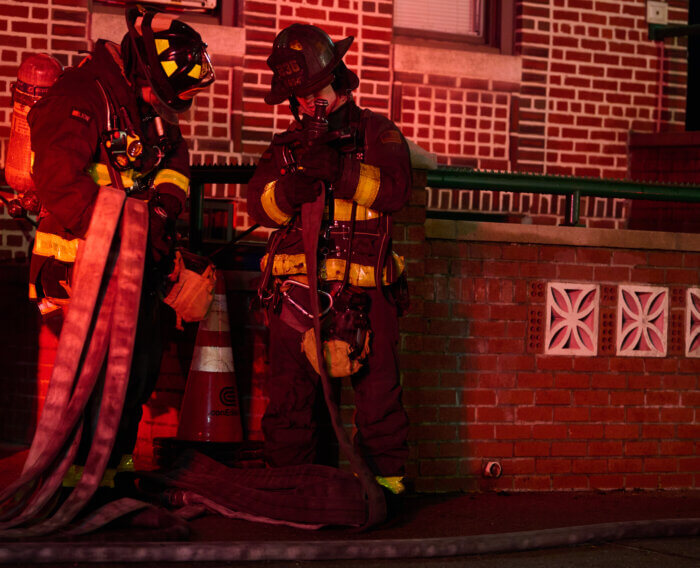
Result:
x=587 y=75
x=669 y=157
x=478 y=385
x=484 y=380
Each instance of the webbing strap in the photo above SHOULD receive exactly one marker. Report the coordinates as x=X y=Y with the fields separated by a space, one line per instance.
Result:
x=311 y=216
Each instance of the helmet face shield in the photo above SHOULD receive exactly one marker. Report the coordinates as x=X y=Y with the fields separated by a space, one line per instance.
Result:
x=204 y=73
x=172 y=57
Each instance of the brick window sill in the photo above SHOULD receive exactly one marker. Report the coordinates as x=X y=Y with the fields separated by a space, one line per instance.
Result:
x=476 y=64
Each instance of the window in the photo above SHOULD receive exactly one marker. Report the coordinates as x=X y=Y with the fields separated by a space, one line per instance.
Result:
x=453 y=17
x=224 y=12
x=478 y=22
x=202 y=5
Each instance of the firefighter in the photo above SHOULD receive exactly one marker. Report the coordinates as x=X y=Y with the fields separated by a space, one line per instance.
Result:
x=112 y=121
x=362 y=160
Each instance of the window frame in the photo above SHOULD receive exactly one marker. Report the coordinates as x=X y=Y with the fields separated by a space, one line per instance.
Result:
x=226 y=13
x=498 y=30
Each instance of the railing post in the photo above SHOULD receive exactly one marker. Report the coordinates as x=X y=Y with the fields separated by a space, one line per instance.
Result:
x=573 y=209
x=196 y=216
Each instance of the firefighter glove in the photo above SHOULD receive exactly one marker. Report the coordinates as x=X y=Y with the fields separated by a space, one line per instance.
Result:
x=321 y=162
x=299 y=189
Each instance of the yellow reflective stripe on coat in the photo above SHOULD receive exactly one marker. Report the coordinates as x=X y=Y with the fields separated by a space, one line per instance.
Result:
x=269 y=203
x=171 y=176
x=100 y=175
x=75 y=473
x=342 y=211
x=48 y=244
x=367 y=185
x=331 y=269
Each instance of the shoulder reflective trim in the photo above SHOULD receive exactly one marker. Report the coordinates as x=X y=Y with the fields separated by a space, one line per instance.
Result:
x=171 y=176
x=169 y=67
x=393 y=484
x=48 y=244
x=269 y=203
x=100 y=175
x=195 y=72
x=367 y=185
x=343 y=211
x=331 y=269
x=162 y=45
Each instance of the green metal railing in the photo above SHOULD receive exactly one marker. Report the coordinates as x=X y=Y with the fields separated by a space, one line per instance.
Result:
x=572 y=187
x=201 y=175
x=463 y=178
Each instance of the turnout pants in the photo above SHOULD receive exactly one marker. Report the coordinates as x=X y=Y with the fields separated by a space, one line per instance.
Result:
x=291 y=421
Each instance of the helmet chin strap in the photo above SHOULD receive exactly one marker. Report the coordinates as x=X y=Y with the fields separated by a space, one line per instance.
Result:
x=163 y=110
x=341 y=99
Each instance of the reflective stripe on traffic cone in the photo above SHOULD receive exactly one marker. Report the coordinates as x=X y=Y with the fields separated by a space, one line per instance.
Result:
x=210 y=409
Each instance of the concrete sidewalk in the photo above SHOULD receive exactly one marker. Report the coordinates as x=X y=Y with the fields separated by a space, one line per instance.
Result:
x=489 y=529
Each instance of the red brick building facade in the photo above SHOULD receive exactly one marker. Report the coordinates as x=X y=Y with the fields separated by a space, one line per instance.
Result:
x=487 y=376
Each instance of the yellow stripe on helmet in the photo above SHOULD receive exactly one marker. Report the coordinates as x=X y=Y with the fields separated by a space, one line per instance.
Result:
x=169 y=67
x=196 y=72
x=162 y=45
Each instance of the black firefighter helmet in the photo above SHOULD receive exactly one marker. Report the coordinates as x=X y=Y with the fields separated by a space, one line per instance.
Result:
x=168 y=54
x=305 y=59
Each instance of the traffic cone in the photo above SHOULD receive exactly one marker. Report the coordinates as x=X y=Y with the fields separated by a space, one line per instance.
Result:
x=210 y=410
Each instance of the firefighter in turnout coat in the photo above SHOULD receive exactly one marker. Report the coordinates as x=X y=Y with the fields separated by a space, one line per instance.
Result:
x=363 y=160
x=112 y=121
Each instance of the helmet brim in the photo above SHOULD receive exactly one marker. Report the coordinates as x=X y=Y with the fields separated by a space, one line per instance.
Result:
x=279 y=92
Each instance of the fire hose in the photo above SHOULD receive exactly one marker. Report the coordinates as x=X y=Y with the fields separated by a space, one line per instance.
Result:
x=100 y=324
x=53 y=552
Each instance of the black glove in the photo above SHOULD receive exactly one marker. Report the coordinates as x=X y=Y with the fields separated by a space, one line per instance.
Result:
x=299 y=188
x=321 y=162
x=162 y=212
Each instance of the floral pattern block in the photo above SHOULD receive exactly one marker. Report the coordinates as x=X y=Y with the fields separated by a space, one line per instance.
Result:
x=642 y=321
x=692 y=325
x=572 y=319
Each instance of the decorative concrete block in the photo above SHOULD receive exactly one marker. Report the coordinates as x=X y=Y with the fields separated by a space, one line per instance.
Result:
x=692 y=323
x=642 y=321
x=572 y=318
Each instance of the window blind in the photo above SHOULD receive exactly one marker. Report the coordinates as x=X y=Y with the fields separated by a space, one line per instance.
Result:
x=460 y=17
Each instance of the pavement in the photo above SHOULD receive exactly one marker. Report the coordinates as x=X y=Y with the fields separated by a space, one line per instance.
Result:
x=529 y=530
